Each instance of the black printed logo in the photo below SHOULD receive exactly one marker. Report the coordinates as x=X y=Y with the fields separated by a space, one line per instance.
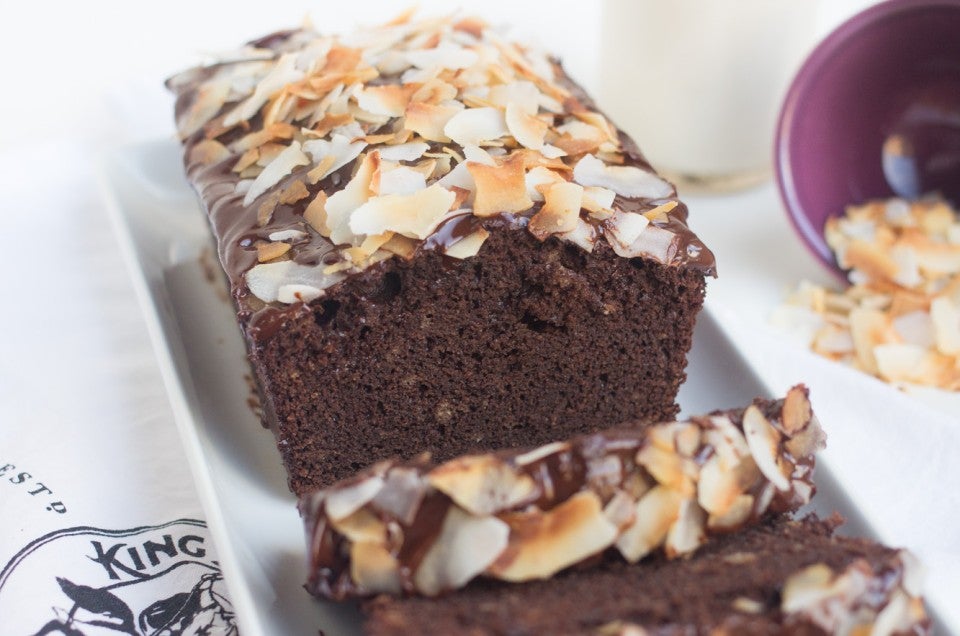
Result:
x=147 y=581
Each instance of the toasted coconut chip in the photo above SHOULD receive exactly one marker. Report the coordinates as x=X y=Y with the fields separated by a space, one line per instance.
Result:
x=268 y=152
x=869 y=328
x=435 y=91
x=598 y=199
x=340 y=147
x=764 y=440
x=209 y=99
x=430 y=120
x=577 y=137
x=870 y=259
x=362 y=525
x=446 y=56
x=599 y=122
x=316 y=214
x=625 y=228
x=910 y=363
x=668 y=468
x=208 y=152
x=284 y=72
x=483 y=484
x=401 y=180
x=655 y=514
x=584 y=235
x=945 y=316
x=476 y=126
x=374 y=569
x=528 y=130
x=538 y=177
x=295 y=293
x=294 y=192
x=401 y=246
x=404 y=152
x=655 y=242
x=916 y=328
x=460 y=177
x=281 y=166
x=342 y=203
x=627 y=181
x=413 y=215
x=525 y=96
x=560 y=212
x=543 y=543
x=477 y=154
x=468 y=246
x=797 y=413
x=621 y=509
x=720 y=484
x=390 y=99
x=552 y=152
x=466 y=546
x=343 y=501
x=269 y=133
x=327 y=123
x=542 y=452
x=375 y=241
x=499 y=189
x=269 y=251
x=402 y=493
x=688 y=532
x=734 y=516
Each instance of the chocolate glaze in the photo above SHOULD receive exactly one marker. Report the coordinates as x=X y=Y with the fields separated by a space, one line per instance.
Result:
x=558 y=476
x=237 y=231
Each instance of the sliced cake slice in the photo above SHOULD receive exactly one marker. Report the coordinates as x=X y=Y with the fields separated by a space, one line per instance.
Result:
x=417 y=528
x=779 y=577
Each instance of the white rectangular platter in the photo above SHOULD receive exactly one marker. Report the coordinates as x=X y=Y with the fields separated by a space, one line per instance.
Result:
x=237 y=469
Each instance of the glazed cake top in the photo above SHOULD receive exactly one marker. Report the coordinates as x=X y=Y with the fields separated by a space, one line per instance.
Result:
x=318 y=156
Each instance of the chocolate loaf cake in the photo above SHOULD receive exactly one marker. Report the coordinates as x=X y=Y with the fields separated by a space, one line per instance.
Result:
x=416 y=528
x=435 y=242
x=779 y=577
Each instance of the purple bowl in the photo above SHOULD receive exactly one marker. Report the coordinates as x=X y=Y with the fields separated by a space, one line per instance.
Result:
x=856 y=88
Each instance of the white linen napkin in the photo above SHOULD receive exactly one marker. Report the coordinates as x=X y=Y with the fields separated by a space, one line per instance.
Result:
x=103 y=532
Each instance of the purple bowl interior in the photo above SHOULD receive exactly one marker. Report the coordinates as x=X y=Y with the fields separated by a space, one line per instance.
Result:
x=844 y=101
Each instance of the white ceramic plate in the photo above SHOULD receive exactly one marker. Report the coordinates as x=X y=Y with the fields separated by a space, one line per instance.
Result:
x=237 y=469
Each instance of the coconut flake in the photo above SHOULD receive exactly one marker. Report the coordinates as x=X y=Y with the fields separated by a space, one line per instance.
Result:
x=430 y=120
x=526 y=129
x=209 y=99
x=468 y=246
x=297 y=293
x=287 y=235
x=500 y=188
x=401 y=180
x=412 y=215
x=340 y=147
x=523 y=94
x=282 y=165
x=284 y=72
x=465 y=547
x=342 y=203
x=404 y=152
x=474 y=126
x=627 y=181
x=266 y=280
x=446 y=56
x=560 y=211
